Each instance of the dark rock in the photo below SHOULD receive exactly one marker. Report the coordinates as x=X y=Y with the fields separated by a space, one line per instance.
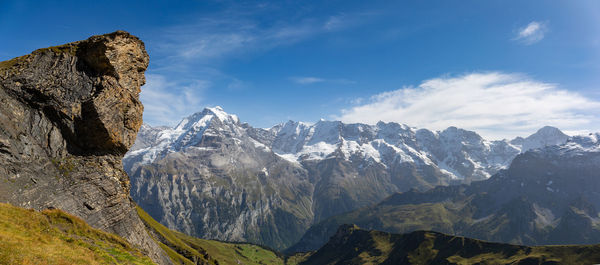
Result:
x=68 y=115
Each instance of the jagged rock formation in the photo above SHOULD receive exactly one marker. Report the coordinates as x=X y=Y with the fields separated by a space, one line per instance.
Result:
x=214 y=177
x=68 y=115
x=547 y=196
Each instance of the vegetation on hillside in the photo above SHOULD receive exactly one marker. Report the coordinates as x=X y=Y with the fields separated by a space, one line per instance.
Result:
x=55 y=237
x=184 y=249
x=351 y=245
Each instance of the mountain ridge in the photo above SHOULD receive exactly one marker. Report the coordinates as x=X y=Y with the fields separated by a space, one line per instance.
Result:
x=295 y=173
x=546 y=196
x=297 y=141
x=353 y=245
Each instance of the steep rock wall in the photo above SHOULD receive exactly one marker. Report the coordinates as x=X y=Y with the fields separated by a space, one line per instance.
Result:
x=68 y=114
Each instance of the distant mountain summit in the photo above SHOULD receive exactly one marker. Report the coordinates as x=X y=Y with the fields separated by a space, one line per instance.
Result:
x=545 y=136
x=548 y=195
x=316 y=170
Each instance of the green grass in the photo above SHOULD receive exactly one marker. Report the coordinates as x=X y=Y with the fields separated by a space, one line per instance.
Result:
x=55 y=237
x=356 y=246
x=179 y=251
x=174 y=256
x=184 y=249
x=236 y=253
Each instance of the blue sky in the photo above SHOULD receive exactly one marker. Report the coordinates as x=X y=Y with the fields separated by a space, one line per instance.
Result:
x=501 y=68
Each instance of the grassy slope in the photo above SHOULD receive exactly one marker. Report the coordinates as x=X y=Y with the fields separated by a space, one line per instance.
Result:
x=352 y=245
x=55 y=237
x=184 y=249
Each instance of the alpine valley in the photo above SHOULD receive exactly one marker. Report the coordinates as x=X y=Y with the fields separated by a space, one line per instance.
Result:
x=214 y=177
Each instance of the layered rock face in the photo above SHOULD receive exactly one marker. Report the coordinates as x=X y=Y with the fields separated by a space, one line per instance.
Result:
x=68 y=115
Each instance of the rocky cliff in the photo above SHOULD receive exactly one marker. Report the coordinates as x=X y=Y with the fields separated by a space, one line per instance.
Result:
x=68 y=115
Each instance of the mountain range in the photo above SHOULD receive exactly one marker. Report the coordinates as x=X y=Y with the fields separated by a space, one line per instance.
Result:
x=212 y=176
x=547 y=196
x=71 y=112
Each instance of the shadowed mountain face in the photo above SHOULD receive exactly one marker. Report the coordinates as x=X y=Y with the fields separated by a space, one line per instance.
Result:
x=214 y=177
x=69 y=113
x=351 y=245
x=547 y=196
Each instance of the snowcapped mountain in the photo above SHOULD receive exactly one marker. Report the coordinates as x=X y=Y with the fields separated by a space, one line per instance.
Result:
x=547 y=195
x=208 y=177
x=457 y=153
x=543 y=137
x=215 y=177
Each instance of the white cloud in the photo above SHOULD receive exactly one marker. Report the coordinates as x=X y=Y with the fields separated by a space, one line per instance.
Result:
x=166 y=102
x=306 y=80
x=496 y=105
x=216 y=37
x=531 y=33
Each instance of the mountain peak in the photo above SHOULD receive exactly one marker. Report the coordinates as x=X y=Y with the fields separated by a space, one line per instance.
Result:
x=221 y=114
x=545 y=136
x=203 y=118
x=548 y=131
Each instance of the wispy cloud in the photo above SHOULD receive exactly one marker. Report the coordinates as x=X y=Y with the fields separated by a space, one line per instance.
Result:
x=532 y=32
x=196 y=49
x=166 y=101
x=497 y=105
x=216 y=37
x=307 y=80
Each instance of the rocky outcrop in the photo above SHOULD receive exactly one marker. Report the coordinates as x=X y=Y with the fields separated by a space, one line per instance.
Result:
x=68 y=115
